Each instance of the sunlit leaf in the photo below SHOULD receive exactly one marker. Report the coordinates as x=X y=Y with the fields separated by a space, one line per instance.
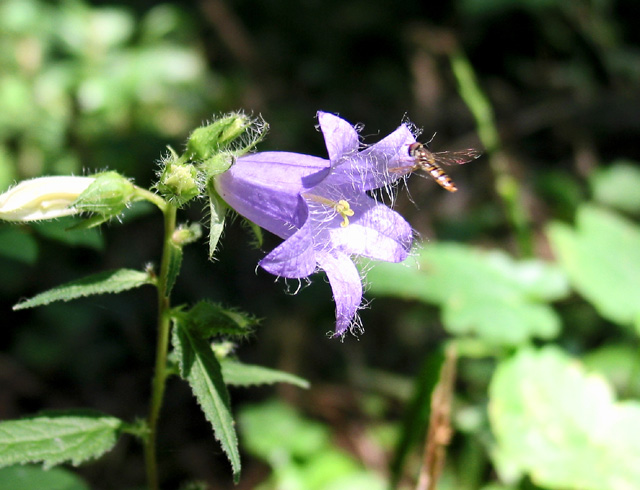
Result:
x=486 y=294
x=240 y=374
x=561 y=425
x=617 y=186
x=101 y=283
x=601 y=256
x=54 y=438
x=200 y=368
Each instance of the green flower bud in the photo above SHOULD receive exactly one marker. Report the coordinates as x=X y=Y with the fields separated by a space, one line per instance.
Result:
x=108 y=195
x=183 y=235
x=234 y=134
x=179 y=183
x=217 y=164
x=208 y=140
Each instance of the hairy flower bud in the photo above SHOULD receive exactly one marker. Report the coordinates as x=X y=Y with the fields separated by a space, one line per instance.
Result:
x=208 y=140
x=108 y=195
x=179 y=183
x=43 y=198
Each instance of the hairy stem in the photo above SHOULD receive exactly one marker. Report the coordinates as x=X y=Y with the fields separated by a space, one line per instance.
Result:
x=160 y=373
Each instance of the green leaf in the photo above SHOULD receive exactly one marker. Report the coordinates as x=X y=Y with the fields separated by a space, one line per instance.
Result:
x=62 y=230
x=487 y=294
x=617 y=186
x=210 y=319
x=561 y=425
x=199 y=366
x=25 y=477
x=602 y=259
x=57 y=437
x=101 y=283
x=17 y=245
x=239 y=374
x=217 y=210
x=175 y=262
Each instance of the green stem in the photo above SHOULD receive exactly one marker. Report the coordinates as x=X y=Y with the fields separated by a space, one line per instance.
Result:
x=160 y=373
x=506 y=185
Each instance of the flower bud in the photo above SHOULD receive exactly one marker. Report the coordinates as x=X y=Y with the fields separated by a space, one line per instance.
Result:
x=183 y=235
x=179 y=183
x=108 y=195
x=43 y=198
x=208 y=140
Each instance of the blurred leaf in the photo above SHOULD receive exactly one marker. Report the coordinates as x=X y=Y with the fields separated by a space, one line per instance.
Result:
x=487 y=294
x=263 y=427
x=238 y=374
x=300 y=451
x=25 y=477
x=16 y=244
x=101 y=283
x=200 y=368
x=62 y=231
x=617 y=186
x=602 y=259
x=561 y=425
x=54 y=438
x=620 y=364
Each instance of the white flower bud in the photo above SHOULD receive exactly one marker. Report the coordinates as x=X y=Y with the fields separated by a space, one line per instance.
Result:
x=42 y=198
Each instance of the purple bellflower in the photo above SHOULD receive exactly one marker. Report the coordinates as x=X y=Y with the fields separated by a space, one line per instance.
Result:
x=322 y=210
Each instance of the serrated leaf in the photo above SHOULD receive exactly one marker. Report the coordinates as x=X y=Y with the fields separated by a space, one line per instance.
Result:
x=561 y=425
x=210 y=319
x=200 y=368
x=486 y=294
x=239 y=374
x=602 y=259
x=175 y=262
x=217 y=211
x=57 y=437
x=27 y=477
x=101 y=283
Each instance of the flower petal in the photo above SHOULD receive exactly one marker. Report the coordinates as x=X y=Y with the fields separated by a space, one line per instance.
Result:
x=346 y=285
x=374 y=166
x=295 y=257
x=340 y=137
x=374 y=231
x=265 y=188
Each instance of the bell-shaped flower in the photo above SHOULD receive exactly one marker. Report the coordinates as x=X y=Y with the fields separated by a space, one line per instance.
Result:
x=322 y=210
x=43 y=198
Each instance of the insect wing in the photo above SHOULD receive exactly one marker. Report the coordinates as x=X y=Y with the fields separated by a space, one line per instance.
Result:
x=456 y=157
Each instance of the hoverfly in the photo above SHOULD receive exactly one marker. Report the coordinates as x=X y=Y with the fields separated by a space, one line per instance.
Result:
x=424 y=159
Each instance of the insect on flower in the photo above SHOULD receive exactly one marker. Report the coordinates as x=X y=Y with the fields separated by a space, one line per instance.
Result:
x=428 y=161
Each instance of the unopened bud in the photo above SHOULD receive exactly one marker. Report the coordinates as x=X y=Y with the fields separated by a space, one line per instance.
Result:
x=179 y=183
x=43 y=198
x=108 y=195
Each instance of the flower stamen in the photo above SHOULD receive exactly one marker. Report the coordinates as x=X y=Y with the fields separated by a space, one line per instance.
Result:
x=341 y=207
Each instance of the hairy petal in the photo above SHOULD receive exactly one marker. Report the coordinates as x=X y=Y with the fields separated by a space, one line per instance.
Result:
x=374 y=166
x=375 y=231
x=340 y=137
x=295 y=257
x=346 y=286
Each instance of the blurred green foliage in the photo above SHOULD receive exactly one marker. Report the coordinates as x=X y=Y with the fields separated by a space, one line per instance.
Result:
x=548 y=379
